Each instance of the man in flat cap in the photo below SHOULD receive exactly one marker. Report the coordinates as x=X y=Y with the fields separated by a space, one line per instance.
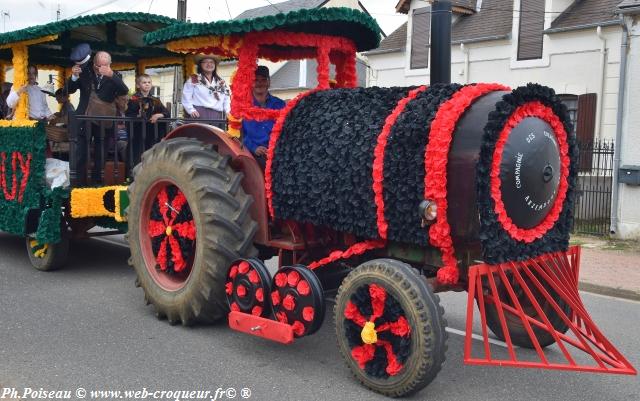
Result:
x=256 y=134
x=99 y=86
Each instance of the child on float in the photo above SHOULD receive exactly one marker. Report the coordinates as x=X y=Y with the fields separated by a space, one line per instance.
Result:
x=149 y=109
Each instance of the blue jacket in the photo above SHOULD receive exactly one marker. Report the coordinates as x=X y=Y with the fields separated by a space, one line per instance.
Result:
x=256 y=133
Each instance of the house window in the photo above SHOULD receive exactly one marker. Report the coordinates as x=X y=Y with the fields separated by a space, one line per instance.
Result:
x=420 y=32
x=530 y=32
x=582 y=112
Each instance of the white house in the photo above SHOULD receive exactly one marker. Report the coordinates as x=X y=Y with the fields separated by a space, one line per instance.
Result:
x=573 y=46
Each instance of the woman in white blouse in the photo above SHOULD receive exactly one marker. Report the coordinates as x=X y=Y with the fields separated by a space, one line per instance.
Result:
x=205 y=95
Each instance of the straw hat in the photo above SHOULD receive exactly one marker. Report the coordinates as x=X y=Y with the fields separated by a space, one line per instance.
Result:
x=199 y=57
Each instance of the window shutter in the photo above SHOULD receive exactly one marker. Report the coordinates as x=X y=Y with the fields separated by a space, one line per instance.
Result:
x=586 y=126
x=530 y=34
x=420 y=33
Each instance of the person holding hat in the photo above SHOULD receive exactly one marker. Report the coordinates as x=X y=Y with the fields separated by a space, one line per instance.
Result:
x=99 y=87
x=205 y=95
x=255 y=134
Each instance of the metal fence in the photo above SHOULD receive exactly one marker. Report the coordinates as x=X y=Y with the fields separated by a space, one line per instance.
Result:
x=592 y=209
x=98 y=156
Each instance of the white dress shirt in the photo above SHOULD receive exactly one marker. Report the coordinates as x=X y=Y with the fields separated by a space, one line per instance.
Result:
x=200 y=95
x=38 y=107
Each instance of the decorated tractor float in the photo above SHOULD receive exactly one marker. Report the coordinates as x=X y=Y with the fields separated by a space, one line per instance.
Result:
x=376 y=197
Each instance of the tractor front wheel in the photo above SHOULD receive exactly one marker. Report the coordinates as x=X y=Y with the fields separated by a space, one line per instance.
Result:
x=390 y=327
x=188 y=220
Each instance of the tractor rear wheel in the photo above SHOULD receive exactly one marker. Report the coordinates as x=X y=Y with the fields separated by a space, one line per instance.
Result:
x=188 y=220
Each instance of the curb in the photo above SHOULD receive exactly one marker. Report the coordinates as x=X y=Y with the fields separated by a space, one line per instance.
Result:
x=609 y=291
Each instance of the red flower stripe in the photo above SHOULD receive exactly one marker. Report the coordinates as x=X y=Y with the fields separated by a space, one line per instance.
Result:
x=355 y=249
x=363 y=354
x=9 y=195
x=156 y=228
x=378 y=159
x=273 y=140
x=186 y=229
x=531 y=109
x=435 y=162
x=393 y=366
x=352 y=313
x=378 y=296
x=399 y=328
x=259 y=45
x=25 y=167
x=163 y=199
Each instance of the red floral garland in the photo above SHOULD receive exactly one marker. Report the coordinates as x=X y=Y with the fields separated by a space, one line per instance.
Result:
x=435 y=162
x=273 y=140
x=25 y=168
x=258 y=46
x=353 y=250
x=531 y=109
x=378 y=159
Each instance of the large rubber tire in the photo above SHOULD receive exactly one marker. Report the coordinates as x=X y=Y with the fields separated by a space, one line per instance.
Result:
x=517 y=331
x=421 y=307
x=224 y=228
x=56 y=255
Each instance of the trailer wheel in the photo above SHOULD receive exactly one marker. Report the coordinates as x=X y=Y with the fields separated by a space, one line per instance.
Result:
x=390 y=327
x=517 y=331
x=188 y=220
x=48 y=257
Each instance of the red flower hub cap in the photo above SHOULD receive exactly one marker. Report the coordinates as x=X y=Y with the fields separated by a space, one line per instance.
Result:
x=172 y=231
x=247 y=285
x=377 y=331
x=295 y=302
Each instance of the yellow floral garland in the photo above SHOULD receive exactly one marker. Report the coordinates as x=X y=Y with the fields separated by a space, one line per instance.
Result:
x=18 y=123
x=20 y=62
x=189 y=66
x=143 y=64
x=89 y=202
x=228 y=45
x=123 y=66
x=30 y=42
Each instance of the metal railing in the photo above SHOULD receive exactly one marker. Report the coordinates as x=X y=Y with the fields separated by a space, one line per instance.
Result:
x=592 y=208
x=97 y=157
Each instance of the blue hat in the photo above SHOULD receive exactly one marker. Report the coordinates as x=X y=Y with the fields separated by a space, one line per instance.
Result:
x=81 y=53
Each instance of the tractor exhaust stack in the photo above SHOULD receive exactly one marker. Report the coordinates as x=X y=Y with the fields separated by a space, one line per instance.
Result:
x=440 y=42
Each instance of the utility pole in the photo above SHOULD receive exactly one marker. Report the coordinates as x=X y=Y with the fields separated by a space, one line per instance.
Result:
x=58 y=13
x=182 y=10
x=177 y=71
x=4 y=14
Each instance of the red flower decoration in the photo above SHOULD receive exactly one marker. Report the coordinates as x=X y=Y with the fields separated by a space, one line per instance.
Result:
x=303 y=288
x=435 y=162
x=170 y=220
x=292 y=278
x=289 y=303
x=364 y=353
x=307 y=313
x=378 y=160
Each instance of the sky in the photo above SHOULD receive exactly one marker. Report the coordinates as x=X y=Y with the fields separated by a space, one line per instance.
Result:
x=18 y=14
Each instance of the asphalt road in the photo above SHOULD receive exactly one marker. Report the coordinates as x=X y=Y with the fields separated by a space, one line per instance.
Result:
x=87 y=326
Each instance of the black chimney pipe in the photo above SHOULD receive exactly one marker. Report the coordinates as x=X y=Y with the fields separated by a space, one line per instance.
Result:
x=440 y=42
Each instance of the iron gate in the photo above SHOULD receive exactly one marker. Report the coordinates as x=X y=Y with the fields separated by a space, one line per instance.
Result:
x=592 y=211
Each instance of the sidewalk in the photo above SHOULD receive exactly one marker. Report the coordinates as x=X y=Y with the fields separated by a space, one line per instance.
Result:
x=609 y=267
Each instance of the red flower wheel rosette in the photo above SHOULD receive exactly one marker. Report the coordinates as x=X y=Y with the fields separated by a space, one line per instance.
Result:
x=248 y=287
x=172 y=231
x=297 y=299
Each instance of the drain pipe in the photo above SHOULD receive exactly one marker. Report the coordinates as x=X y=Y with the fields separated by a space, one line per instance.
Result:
x=624 y=45
x=603 y=64
x=465 y=51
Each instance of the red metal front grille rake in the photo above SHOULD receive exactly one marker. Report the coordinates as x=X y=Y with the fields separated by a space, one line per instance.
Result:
x=532 y=303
